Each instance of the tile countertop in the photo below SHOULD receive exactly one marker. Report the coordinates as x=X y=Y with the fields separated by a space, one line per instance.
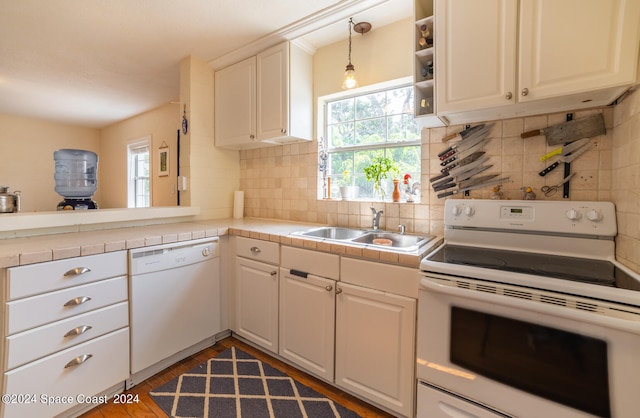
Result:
x=41 y=248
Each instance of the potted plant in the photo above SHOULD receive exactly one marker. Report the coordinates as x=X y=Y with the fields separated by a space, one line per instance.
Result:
x=347 y=189
x=379 y=169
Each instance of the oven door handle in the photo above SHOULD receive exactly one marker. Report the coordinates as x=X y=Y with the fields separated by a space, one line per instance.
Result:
x=630 y=325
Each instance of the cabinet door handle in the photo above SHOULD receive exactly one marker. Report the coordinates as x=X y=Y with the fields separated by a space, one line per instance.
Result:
x=78 y=331
x=283 y=131
x=509 y=96
x=338 y=290
x=77 y=271
x=525 y=91
x=252 y=137
x=255 y=250
x=273 y=273
x=77 y=301
x=329 y=288
x=78 y=360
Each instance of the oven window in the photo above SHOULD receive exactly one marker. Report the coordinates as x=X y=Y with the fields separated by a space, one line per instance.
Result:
x=561 y=366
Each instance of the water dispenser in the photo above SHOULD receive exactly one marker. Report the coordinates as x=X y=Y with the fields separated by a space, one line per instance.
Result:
x=76 y=178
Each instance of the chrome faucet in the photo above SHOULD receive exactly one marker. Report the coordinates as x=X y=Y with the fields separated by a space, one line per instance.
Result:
x=376 y=218
x=403 y=229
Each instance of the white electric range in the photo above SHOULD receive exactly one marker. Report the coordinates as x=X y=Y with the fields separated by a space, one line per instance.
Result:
x=525 y=312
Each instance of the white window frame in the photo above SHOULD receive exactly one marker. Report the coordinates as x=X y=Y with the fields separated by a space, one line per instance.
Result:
x=322 y=111
x=132 y=183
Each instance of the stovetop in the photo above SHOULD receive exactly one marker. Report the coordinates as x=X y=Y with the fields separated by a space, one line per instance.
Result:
x=558 y=246
x=597 y=272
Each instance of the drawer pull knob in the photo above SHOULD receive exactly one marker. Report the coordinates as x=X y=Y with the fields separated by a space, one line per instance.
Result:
x=78 y=330
x=255 y=250
x=77 y=271
x=78 y=360
x=78 y=301
x=338 y=290
x=329 y=288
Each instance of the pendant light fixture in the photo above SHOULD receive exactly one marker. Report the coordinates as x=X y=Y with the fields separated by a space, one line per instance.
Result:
x=350 y=81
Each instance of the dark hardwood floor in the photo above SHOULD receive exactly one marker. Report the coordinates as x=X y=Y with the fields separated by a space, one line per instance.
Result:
x=146 y=407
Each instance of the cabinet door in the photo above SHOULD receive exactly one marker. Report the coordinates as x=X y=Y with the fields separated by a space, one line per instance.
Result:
x=475 y=51
x=307 y=316
x=375 y=346
x=235 y=104
x=257 y=302
x=273 y=92
x=573 y=46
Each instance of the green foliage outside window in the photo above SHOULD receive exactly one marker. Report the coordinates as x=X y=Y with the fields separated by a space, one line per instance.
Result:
x=374 y=125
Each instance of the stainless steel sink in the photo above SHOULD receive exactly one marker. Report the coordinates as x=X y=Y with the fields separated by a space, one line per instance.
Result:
x=390 y=239
x=381 y=239
x=332 y=232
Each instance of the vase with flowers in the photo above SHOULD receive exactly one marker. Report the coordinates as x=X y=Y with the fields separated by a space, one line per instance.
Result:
x=380 y=168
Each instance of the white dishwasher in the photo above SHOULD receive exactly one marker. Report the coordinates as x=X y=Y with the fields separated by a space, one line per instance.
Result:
x=174 y=296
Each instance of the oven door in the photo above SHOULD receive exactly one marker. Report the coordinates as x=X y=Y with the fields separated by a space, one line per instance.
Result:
x=526 y=358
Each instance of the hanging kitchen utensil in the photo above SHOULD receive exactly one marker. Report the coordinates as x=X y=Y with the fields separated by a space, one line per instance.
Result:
x=459 y=156
x=445 y=173
x=469 y=181
x=455 y=172
x=571 y=130
x=473 y=187
x=460 y=177
x=461 y=146
x=566 y=149
x=567 y=158
x=551 y=190
x=463 y=134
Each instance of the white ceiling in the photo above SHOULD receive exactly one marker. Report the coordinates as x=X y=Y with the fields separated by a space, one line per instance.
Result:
x=96 y=62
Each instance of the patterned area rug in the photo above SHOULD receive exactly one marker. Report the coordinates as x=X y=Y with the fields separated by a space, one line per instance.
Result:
x=236 y=384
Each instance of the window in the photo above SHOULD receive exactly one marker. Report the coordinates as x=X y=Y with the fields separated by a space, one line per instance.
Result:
x=139 y=170
x=363 y=126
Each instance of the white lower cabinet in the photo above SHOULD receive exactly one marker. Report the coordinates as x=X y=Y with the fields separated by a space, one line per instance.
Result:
x=68 y=378
x=65 y=335
x=375 y=346
x=307 y=318
x=358 y=335
x=257 y=292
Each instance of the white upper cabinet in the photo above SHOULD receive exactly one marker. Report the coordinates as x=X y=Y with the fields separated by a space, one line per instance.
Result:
x=505 y=58
x=265 y=100
x=235 y=104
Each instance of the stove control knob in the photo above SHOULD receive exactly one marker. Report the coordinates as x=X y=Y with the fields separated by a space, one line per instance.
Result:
x=573 y=214
x=469 y=211
x=456 y=210
x=594 y=216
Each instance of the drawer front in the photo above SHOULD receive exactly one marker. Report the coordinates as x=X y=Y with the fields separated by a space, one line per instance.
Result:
x=255 y=249
x=53 y=275
x=56 y=375
x=40 y=342
x=380 y=276
x=38 y=310
x=312 y=262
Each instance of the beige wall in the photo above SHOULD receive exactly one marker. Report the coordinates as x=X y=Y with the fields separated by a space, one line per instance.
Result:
x=625 y=179
x=381 y=55
x=213 y=173
x=161 y=125
x=27 y=157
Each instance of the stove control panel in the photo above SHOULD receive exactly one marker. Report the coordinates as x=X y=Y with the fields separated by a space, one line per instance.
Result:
x=516 y=212
x=571 y=217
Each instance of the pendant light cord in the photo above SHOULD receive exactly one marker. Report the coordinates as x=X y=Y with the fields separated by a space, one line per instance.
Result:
x=350 y=24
